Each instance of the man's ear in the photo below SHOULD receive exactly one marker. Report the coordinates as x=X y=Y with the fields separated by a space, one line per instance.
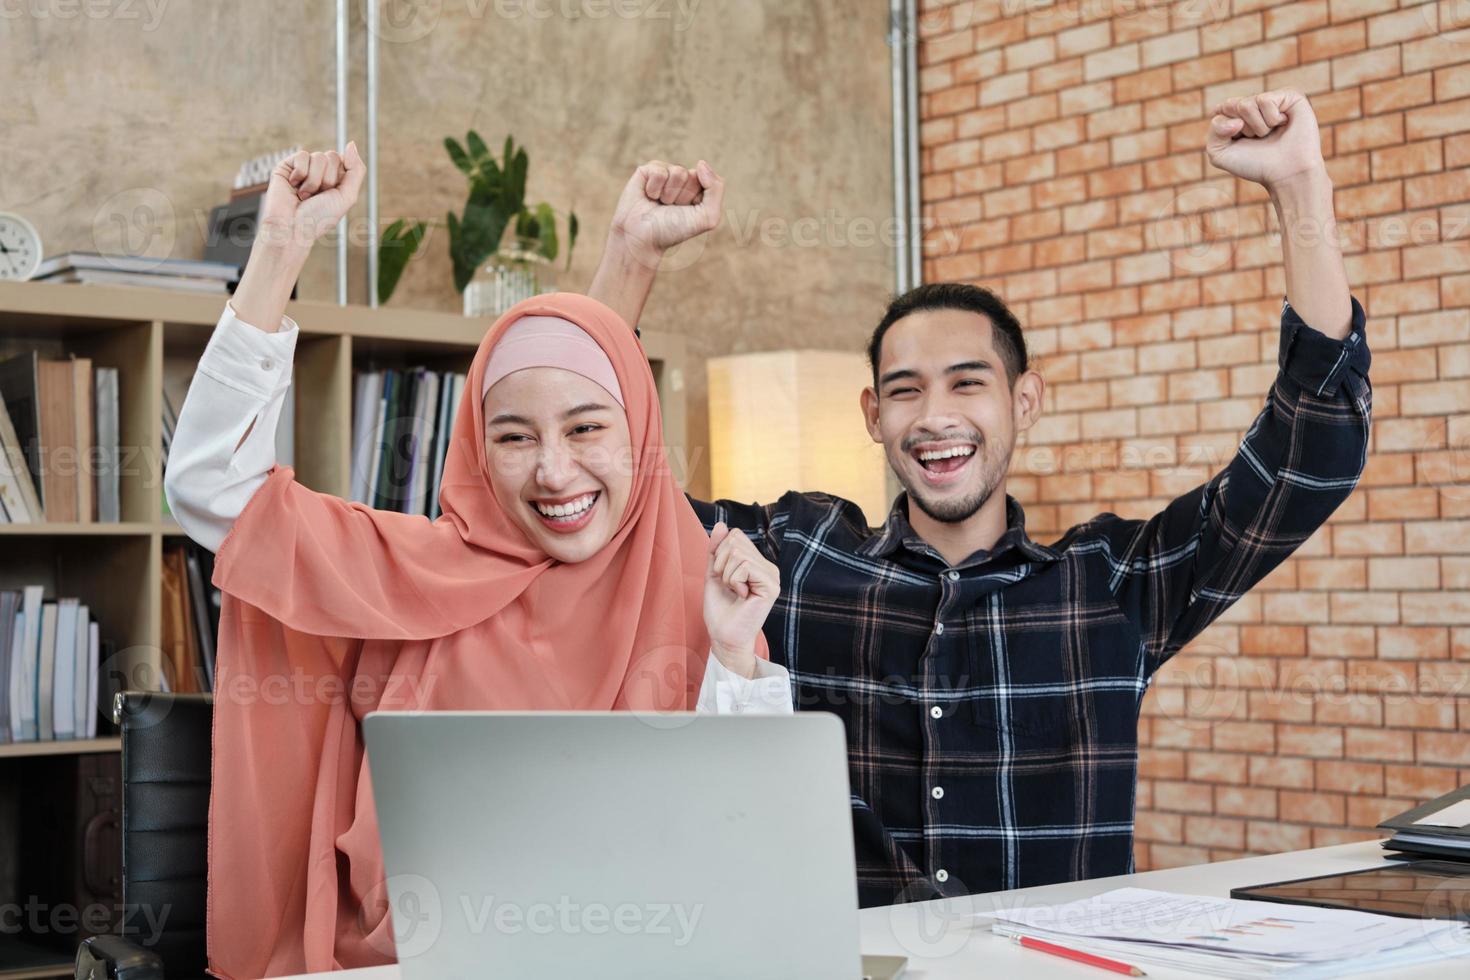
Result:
x=869 y=403
x=1027 y=399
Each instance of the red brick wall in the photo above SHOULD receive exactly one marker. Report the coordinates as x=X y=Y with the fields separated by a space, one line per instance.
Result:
x=1063 y=167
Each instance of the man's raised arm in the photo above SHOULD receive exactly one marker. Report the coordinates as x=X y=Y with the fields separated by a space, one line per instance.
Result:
x=1272 y=139
x=1176 y=572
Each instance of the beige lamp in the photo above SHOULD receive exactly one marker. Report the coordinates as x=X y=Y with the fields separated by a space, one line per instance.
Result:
x=790 y=420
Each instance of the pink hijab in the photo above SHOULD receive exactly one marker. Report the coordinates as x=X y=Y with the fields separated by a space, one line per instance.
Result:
x=333 y=609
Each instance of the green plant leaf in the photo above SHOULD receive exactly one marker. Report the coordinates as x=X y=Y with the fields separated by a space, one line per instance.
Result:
x=458 y=156
x=515 y=176
x=478 y=236
x=397 y=247
x=477 y=146
x=527 y=226
x=571 y=235
x=546 y=224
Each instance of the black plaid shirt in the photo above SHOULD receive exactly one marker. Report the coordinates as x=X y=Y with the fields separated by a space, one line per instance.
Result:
x=992 y=707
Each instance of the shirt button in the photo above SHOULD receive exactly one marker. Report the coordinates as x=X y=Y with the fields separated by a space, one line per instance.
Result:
x=936 y=712
x=266 y=364
x=937 y=792
x=938 y=629
x=941 y=876
x=952 y=575
x=737 y=708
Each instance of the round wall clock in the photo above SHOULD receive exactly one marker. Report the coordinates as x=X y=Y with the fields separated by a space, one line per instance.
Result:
x=20 y=247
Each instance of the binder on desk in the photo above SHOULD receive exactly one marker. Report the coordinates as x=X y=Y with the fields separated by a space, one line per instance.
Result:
x=1440 y=827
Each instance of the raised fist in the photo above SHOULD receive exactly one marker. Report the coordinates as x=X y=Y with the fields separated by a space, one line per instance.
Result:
x=1270 y=138
x=665 y=204
x=740 y=587
x=307 y=195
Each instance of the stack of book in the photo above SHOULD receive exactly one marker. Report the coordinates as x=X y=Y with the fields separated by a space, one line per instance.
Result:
x=401 y=424
x=189 y=275
x=58 y=440
x=1439 y=828
x=191 y=607
x=50 y=656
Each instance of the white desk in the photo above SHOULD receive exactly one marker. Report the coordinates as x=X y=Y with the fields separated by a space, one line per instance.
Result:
x=942 y=942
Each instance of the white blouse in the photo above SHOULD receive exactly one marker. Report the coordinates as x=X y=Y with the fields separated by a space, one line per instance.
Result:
x=243 y=376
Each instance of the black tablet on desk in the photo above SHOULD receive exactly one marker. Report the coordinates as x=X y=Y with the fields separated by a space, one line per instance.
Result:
x=1414 y=889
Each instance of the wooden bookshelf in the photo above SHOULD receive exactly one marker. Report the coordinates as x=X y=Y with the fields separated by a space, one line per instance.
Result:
x=155 y=338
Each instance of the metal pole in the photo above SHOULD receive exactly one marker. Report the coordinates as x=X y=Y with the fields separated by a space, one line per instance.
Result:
x=342 y=143
x=911 y=136
x=900 y=147
x=372 y=152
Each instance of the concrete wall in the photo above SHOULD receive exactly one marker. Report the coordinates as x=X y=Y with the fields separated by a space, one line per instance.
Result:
x=134 y=116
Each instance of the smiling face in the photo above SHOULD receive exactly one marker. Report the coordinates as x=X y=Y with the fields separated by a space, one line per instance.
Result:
x=558 y=450
x=945 y=412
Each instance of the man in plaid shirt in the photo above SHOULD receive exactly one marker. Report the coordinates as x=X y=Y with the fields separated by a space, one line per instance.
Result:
x=990 y=684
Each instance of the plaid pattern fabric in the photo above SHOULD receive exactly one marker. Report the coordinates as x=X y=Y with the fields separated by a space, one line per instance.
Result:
x=992 y=707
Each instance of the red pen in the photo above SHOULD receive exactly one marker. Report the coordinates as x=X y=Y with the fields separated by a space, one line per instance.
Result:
x=1079 y=957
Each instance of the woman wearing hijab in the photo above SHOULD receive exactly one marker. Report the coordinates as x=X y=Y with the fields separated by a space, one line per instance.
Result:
x=567 y=572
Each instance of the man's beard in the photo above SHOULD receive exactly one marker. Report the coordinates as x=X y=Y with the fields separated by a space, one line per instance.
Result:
x=959 y=509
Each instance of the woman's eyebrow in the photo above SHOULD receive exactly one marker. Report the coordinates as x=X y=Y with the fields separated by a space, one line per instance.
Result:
x=506 y=418
x=587 y=407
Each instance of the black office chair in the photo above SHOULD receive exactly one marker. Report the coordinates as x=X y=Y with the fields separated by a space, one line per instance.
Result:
x=165 y=821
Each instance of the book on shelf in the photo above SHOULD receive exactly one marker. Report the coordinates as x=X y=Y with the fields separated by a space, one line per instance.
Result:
x=50 y=655
x=170 y=420
x=109 y=497
x=83 y=418
x=20 y=388
x=46 y=674
x=286 y=428
x=367 y=390
x=149 y=281
x=64 y=670
x=19 y=503
x=190 y=619
x=25 y=640
x=179 y=642
x=58 y=440
x=9 y=611
x=204 y=606
x=426 y=411
x=402 y=419
x=187 y=275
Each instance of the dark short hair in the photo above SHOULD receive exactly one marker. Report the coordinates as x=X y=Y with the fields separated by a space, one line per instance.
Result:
x=1007 y=337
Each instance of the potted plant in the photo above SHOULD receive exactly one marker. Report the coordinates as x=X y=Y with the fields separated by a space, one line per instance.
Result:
x=493 y=272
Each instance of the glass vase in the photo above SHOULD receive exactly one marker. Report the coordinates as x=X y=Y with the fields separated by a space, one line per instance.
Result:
x=509 y=276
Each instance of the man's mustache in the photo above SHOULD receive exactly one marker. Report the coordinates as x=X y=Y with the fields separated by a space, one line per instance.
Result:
x=912 y=441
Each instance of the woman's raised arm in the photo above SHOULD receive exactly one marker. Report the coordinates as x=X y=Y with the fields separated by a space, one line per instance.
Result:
x=224 y=444
x=307 y=195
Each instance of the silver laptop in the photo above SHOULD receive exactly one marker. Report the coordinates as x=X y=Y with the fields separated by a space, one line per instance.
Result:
x=617 y=845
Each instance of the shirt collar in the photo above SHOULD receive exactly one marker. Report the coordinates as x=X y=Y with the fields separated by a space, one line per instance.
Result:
x=898 y=533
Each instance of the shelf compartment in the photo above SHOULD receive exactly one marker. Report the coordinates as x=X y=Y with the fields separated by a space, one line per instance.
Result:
x=117 y=576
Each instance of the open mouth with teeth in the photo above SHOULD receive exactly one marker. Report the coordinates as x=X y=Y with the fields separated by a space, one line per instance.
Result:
x=569 y=514
x=942 y=464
